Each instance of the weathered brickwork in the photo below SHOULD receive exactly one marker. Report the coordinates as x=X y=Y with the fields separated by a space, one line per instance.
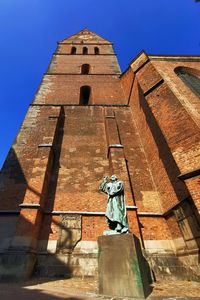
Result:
x=166 y=67
x=87 y=122
x=93 y=227
x=151 y=228
x=99 y=64
x=65 y=89
x=21 y=173
x=168 y=125
x=148 y=77
x=104 y=48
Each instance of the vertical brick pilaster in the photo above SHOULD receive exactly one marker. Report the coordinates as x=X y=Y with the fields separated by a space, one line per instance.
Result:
x=118 y=164
x=28 y=226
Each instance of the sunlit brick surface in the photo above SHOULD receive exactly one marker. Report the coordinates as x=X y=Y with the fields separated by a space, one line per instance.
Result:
x=142 y=125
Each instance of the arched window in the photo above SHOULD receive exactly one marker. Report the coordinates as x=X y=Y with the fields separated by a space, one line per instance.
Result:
x=96 y=50
x=85 y=69
x=190 y=77
x=85 y=92
x=73 y=50
x=85 y=50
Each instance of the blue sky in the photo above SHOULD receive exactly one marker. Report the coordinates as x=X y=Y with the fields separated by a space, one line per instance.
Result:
x=29 y=30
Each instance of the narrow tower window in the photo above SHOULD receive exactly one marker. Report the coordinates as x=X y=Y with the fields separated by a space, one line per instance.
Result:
x=96 y=50
x=190 y=77
x=73 y=50
x=85 y=92
x=85 y=69
x=85 y=50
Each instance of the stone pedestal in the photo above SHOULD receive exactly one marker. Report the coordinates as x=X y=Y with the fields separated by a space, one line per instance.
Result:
x=123 y=271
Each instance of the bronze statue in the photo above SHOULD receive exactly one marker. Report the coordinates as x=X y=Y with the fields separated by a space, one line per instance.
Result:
x=116 y=207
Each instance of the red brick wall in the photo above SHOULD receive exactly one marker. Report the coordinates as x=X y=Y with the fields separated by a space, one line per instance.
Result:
x=155 y=228
x=139 y=171
x=93 y=227
x=158 y=139
x=158 y=111
x=82 y=162
x=65 y=89
x=173 y=226
x=148 y=77
x=166 y=66
x=193 y=186
x=169 y=136
x=127 y=80
x=103 y=48
x=23 y=172
x=99 y=64
x=179 y=130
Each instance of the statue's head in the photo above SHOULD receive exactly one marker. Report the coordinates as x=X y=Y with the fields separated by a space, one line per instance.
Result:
x=113 y=178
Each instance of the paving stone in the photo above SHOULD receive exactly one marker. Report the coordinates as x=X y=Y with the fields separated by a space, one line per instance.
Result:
x=85 y=289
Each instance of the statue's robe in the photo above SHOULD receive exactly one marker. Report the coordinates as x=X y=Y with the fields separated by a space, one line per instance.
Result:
x=116 y=207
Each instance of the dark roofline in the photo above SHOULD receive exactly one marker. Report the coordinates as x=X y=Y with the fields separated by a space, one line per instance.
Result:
x=140 y=53
x=175 y=57
x=128 y=67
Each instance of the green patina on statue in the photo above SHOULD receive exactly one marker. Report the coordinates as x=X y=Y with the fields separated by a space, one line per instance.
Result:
x=116 y=207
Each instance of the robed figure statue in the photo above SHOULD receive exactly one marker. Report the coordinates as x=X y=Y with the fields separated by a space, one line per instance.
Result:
x=116 y=207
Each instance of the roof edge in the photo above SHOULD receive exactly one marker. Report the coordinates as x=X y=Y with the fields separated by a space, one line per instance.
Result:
x=82 y=30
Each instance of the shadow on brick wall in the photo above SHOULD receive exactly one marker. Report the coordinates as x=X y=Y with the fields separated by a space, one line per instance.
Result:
x=187 y=210
x=18 y=256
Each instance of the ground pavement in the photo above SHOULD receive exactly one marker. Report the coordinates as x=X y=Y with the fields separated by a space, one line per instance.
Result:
x=86 y=289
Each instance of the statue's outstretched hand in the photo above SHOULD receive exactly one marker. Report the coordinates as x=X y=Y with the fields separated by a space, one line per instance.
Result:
x=104 y=184
x=105 y=178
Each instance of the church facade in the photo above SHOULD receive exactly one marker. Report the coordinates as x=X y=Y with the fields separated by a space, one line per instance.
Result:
x=88 y=120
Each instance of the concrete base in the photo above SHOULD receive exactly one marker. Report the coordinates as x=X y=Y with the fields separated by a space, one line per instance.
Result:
x=66 y=265
x=81 y=262
x=122 y=268
x=184 y=266
x=16 y=266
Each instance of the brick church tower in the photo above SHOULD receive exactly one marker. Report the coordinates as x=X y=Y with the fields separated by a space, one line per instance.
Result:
x=88 y=120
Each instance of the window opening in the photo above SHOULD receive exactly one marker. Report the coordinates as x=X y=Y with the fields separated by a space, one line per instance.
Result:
x=85 y=50
x=73 y=50
x=96 y=50
x=189 y=77
x=85 y=92
x=85 y=69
